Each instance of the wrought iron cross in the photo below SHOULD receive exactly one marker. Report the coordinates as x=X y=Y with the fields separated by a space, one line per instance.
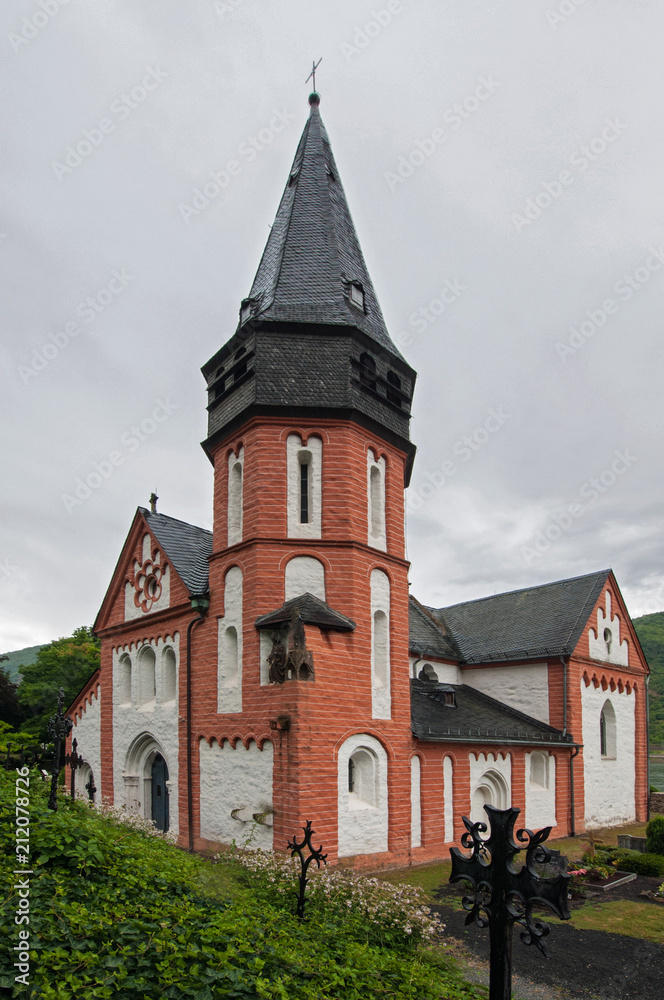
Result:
x=504 y=896
x=59 y=728
x=314 y=67
x=315 y=855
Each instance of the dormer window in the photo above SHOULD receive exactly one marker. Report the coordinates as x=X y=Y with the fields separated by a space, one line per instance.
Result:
x=245 y=312
x=357 y=295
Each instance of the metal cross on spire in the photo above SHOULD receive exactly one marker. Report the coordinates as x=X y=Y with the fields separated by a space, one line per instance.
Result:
x=314 y=67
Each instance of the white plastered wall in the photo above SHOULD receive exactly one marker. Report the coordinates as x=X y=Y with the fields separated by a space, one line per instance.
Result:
x=362 y=828
x=609 y=782
x=381 y=697
x=229 y=649
x=540 y=798
x=164 y=601
x=139 y=733
x=524 y=688
x=447 y=673
x=304 y=575
x=236 y=787
x=376 y=534
x=610 y=649
x=313 y=450
x=415 y=802
x=87 y=731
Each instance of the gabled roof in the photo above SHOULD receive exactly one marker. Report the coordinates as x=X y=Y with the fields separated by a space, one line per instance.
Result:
x=313 y=253
x=186 y=546
x=311 y=611
x=476 y=718
x=426 y=636
x=524 y=624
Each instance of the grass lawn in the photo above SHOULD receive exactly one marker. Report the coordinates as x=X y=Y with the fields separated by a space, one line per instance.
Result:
x=619 y=916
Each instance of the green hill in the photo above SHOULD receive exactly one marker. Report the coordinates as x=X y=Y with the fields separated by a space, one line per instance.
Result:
x=19 y=657
x=650 y=630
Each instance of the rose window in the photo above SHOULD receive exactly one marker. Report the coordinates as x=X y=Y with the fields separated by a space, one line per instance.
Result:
x=147 y=585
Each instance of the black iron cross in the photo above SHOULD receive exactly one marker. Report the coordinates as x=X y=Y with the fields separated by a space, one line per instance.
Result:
x=315 y=855
x=504 y=896
x=59 y=728
x=314 y=67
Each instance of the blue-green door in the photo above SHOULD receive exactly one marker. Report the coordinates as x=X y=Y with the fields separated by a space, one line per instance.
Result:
x=160 y=793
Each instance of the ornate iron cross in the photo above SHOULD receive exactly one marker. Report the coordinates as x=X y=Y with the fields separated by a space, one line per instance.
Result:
x=315 y=855
x=59 y=728
x=504 y=896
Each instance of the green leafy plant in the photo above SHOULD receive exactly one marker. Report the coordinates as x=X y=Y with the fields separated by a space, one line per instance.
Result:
x=651 y=865
x=655 y=835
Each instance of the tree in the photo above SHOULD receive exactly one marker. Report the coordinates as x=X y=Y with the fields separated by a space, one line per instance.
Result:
x=10 y=710
x=65 y=663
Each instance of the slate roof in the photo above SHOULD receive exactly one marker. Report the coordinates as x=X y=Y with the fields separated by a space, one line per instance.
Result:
x=312 y=252
x=475 y=718
x=312 y=611
x=523 y=624
x=186 y=546
x=427 y=638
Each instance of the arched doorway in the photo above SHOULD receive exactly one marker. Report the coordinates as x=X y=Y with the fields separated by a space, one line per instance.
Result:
x=160 y=793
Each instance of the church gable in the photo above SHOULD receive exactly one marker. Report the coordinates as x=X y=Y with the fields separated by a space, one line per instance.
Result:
x=607 y=635
x=162 y=565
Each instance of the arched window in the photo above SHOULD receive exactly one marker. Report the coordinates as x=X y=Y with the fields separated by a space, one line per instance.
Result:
x=393 y=388
x=607 y=731
x=147 y=690
x=304 y=486
x=304 y=575
x=124 y=680
x=235 y=500
x=229 y=651
x=368 y=371
x=168 y=675
x=362 y=800
x=376 y=501
x=415 y=802
x=381 y=702
x=362 y=776
x=427 y=673
x=539 y=771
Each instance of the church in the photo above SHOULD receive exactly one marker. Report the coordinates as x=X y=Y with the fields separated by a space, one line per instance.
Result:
x=276 y=670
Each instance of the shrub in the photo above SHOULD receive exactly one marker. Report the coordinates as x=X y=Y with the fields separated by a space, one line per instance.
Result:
x=655 y=835
x=373 y=911
x=651 y=865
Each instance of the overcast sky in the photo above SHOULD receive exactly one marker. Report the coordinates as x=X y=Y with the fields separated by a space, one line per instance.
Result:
x=503 y=164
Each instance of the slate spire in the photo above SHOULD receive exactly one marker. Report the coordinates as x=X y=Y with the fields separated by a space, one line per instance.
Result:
x=312 y=269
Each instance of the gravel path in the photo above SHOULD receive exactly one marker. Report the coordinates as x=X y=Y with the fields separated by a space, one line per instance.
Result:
x=584 y=964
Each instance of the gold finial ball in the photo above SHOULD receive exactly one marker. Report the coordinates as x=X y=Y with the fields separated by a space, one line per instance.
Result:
x=314 y=99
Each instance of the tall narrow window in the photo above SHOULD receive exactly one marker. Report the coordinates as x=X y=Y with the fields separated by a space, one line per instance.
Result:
x=229 y=652
x=304 y=489
x=367 y=371
x=376 y=536
x=304 y=465
x=146 y=677
x=381 y=702
x=393 y=388
x=124 y=680
x=235 y=496
x=607 y=731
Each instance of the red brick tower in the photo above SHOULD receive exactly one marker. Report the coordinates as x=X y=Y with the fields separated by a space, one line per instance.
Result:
x=309 y=409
